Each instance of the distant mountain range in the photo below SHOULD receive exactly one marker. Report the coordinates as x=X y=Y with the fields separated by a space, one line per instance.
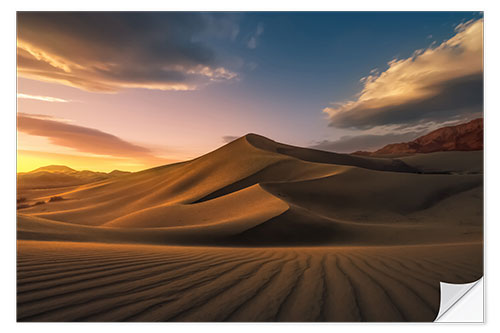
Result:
x=462 y=137
x=60 y=175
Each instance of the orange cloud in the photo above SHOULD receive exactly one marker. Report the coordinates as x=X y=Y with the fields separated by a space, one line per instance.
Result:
x=85 y=139
x=42 y=98
x=433 y=84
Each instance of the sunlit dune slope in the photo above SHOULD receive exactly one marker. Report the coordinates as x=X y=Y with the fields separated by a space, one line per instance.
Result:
x=257 y=191
x=236 y=206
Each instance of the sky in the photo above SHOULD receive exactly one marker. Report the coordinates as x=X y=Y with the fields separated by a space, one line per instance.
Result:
x=130 y=91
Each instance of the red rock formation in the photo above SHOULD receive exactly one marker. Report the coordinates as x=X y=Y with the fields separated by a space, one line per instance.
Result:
x=468 y=136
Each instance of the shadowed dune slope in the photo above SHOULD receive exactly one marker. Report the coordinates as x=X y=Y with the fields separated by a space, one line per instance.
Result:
x=461 y=162
x=319 y=156
x=368 y=196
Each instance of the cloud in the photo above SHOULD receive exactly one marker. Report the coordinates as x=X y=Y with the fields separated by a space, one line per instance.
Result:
x=109 y=51
x=82 y=139
x=432 y=85
x=42 y=98
x=253 y=40
x=44 y=116
x=229 y=138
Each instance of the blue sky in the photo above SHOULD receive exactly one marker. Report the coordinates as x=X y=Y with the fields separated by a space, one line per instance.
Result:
x=307 y=60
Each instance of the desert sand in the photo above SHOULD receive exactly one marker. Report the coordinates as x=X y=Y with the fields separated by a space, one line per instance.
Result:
x=254 y=231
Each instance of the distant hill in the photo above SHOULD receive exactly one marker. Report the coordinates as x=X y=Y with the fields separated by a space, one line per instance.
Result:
x=54 y=168
x=59 y=176
x=116 y=173
x=462 y=137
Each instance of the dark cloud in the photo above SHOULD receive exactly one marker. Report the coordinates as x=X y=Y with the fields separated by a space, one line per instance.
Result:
x=433 y=85
x=460 y=96
x=365 y=142
x=106 y=51
x=83 y=139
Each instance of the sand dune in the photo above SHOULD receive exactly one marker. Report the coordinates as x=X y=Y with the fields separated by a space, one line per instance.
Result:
x=255 y=230
x=447 y=162
x=251 y=182
x=234 y=167
x=234 y=206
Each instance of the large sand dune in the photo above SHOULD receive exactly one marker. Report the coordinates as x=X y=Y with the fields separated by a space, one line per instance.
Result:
x=244 y=219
